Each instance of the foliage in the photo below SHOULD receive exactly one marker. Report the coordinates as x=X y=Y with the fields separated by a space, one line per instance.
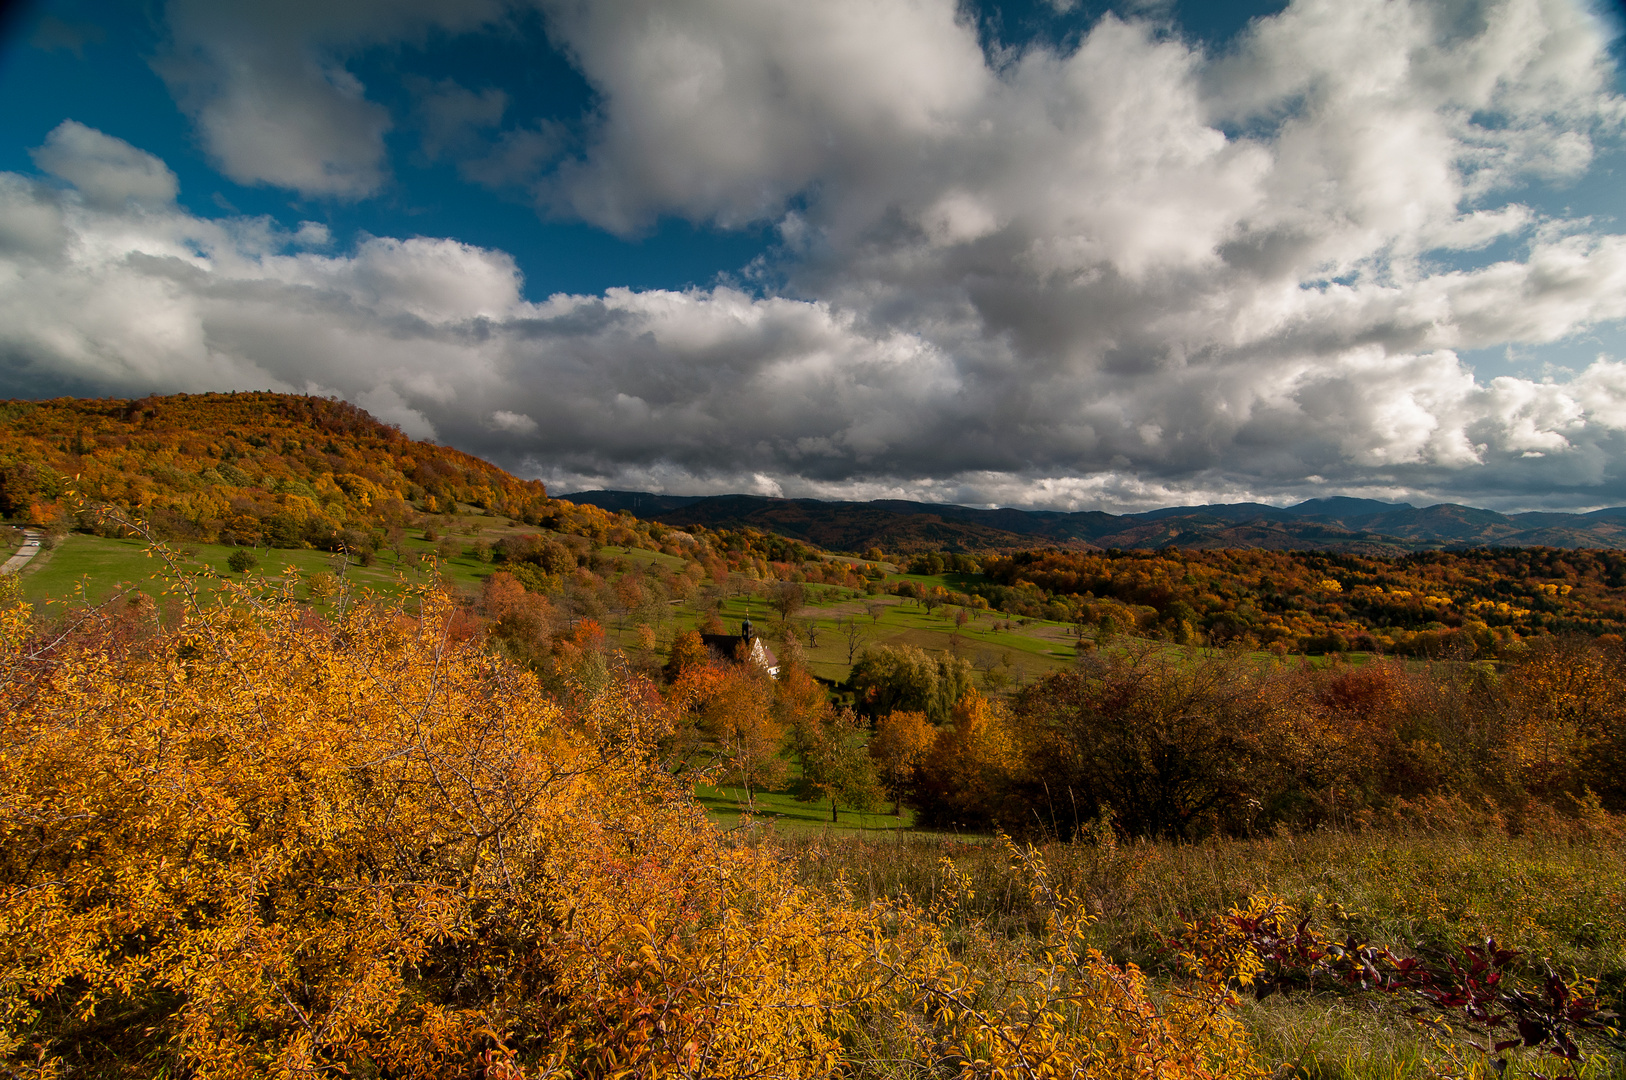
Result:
x=734 y=705
x=887 y=679
x=968 y=770
x=836 y=766
x=787 y=598
x=1265 y=946
x=1180 y=746
x=278 y=470
x=902 y=741
x=262 y=843
x=1162 y=743
x=1444 y=876
x=522 y=623
x=1456 y=605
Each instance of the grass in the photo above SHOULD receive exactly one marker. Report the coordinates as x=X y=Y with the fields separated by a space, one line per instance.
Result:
x=105 y=565
x=726 y=806
x=1559 y=897
x=1034 y=649
x=1557 y=894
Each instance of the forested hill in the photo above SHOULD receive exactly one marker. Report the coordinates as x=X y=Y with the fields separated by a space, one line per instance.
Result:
x=1354 y=526
x=250 y=468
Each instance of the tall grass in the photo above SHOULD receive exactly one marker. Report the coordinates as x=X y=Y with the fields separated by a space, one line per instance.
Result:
x=1557 y=893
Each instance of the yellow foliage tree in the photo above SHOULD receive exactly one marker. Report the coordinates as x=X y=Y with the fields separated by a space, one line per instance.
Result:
x=738 y=714
x=902 y=741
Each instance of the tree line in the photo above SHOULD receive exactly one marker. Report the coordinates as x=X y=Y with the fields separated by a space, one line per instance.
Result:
x=1453 y=605
x=1164 y=743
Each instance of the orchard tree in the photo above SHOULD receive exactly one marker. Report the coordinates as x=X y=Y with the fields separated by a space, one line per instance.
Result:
x=787 y=598
x=737 y=714
x=837 y=767
x=853 y=634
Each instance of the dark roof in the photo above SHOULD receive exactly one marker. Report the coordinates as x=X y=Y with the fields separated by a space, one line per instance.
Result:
x=726 y=646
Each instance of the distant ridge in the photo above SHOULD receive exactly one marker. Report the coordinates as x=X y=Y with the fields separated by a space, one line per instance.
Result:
x=1338 y=523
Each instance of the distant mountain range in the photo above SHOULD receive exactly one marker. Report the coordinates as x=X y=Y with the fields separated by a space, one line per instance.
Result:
x=1334 y=524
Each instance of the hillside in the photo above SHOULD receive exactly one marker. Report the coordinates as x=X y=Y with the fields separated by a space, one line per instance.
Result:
x=1477 y=603
x=255 y=468
x=1352 y=526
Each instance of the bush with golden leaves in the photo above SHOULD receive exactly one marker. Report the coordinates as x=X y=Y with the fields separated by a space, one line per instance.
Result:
x=261 y=843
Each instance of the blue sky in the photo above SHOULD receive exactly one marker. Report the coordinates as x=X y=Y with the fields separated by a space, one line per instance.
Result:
x=1046 y=254
x=92 y=62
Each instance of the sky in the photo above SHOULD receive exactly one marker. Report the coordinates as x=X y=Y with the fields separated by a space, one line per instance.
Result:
x=1055 y=254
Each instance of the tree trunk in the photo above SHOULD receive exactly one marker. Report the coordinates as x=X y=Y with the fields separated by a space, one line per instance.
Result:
x=833 y=818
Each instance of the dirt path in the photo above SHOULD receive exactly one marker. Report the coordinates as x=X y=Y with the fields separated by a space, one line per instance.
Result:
x=30 y=548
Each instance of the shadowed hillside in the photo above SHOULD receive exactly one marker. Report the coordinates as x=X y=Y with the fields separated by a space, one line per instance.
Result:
x=1354 y=526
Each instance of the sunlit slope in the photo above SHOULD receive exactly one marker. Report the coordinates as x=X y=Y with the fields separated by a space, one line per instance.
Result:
x=254 y=468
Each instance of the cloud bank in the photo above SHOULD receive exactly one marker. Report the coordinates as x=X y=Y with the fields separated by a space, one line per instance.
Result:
x=1125 y=274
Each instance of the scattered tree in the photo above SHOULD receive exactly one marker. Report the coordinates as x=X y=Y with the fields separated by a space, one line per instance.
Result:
x=787 y=598
x=836 y=766
x=853 y=633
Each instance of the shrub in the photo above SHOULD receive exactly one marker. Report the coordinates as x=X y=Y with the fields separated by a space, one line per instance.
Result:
x=1173 y=747
x=261 y=843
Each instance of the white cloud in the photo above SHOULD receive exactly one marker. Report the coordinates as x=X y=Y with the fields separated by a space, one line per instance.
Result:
x=726 y=108
x=518 y=423
x=1124 y=271
x=313 y=234
x=711 y=390
x=106 y=171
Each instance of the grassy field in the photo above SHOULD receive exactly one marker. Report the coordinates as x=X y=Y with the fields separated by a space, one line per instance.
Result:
x=780 y=810
x=1028 y=648
x=1557 y=893
x=105 y=565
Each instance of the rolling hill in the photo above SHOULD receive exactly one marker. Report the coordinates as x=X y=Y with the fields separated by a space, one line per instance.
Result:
x=1356 y=526
x=297 y=471
x=253 y=468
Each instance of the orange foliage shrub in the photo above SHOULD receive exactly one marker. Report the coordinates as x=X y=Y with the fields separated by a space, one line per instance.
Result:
x=1222 y=743
x=262 y=844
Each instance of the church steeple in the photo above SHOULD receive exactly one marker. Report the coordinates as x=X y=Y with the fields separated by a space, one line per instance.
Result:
x=745 y=628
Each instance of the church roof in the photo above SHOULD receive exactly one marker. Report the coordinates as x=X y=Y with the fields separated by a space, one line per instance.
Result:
x=727 y=646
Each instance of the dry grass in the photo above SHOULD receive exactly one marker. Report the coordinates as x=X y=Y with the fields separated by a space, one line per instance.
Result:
x=1558 y=894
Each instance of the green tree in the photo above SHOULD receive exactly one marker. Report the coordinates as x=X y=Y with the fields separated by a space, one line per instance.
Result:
x=886 y=679
x=836 y=765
